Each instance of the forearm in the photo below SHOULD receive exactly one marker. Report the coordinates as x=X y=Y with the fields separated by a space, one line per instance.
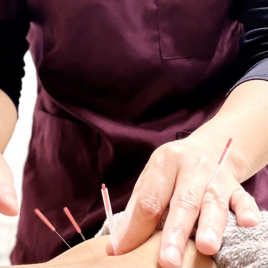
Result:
x=91 y=253
x=243 y=117
x=8 y=119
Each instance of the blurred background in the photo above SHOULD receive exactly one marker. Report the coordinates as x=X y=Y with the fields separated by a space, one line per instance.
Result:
x=16 y=153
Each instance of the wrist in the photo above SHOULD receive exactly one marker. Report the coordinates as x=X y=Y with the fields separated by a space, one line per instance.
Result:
x=214 y=144
x=238 y=164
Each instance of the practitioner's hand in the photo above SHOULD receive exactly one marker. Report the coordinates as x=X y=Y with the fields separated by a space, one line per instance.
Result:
x=176 y=175
x=8 y=198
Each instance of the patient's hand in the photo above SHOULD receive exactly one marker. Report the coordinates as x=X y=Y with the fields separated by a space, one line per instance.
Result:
x=92 y=253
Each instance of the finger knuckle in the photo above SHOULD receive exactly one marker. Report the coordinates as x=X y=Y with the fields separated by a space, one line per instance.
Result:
x=179 y=231
x=173 y=149
x=160 y=160
x=186 y=199
x=150 y=208
x=166 y=154
x=212 y=198
x=213 y=221
x=170 y=149
x=197 y=160
x=240 y=192
x=247 y=197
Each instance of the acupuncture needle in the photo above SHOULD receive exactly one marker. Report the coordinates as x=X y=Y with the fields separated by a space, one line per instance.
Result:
x=48 y=224
x=109 y=214
x=218 y=165
x=73 y=221
x=77 y=228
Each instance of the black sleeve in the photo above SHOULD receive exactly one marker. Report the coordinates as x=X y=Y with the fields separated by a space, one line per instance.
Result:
x=253 y=14
x=14 y=26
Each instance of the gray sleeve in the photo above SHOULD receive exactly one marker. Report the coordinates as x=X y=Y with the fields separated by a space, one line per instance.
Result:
x=254 y=44
x=258 y=72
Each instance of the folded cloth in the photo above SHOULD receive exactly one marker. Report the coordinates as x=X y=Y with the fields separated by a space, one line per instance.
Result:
x=244 y=247
x=241 y=247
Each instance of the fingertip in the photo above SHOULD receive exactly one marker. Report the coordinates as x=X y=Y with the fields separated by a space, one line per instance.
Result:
x=207 y=242
x=110 y=249
x=206 y=247
x=248 y=219
x=164 y=263
x=9 y=210
x=170 y=257
x=13 y=212
x=8 y=200
x=245 y=208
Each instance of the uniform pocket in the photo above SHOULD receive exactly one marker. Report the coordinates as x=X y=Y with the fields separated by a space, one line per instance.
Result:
x=194 y=29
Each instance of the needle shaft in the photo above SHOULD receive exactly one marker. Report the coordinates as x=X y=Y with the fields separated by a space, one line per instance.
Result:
x=83 y=236
x=62 y=239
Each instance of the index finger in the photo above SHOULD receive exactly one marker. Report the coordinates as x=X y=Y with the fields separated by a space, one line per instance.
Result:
x=149 y=202
x=183 y=212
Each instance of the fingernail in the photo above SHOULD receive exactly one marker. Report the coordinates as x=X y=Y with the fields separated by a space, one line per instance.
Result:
x=12 y=201
x=251 y=215
x=209 y=234
x=173 y=255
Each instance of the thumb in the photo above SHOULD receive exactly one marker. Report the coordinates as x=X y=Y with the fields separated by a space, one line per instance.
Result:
x=8 y=198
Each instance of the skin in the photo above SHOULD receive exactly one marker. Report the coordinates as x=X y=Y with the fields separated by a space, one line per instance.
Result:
x=177 y=173
x=8 y=118
x=92 y=254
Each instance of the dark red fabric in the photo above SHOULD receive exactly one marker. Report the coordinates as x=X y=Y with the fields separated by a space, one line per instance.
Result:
x=116 y=80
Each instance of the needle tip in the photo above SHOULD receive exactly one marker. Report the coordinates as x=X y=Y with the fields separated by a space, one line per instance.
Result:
x=103 y=186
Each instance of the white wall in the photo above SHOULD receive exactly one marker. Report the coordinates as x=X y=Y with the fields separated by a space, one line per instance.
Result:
x=16 y=153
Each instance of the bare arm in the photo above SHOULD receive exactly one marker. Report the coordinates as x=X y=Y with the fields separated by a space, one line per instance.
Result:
x=179 y=170
x=92 y=254
x=8 y=118
x=244 y=117
x=183 y=168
